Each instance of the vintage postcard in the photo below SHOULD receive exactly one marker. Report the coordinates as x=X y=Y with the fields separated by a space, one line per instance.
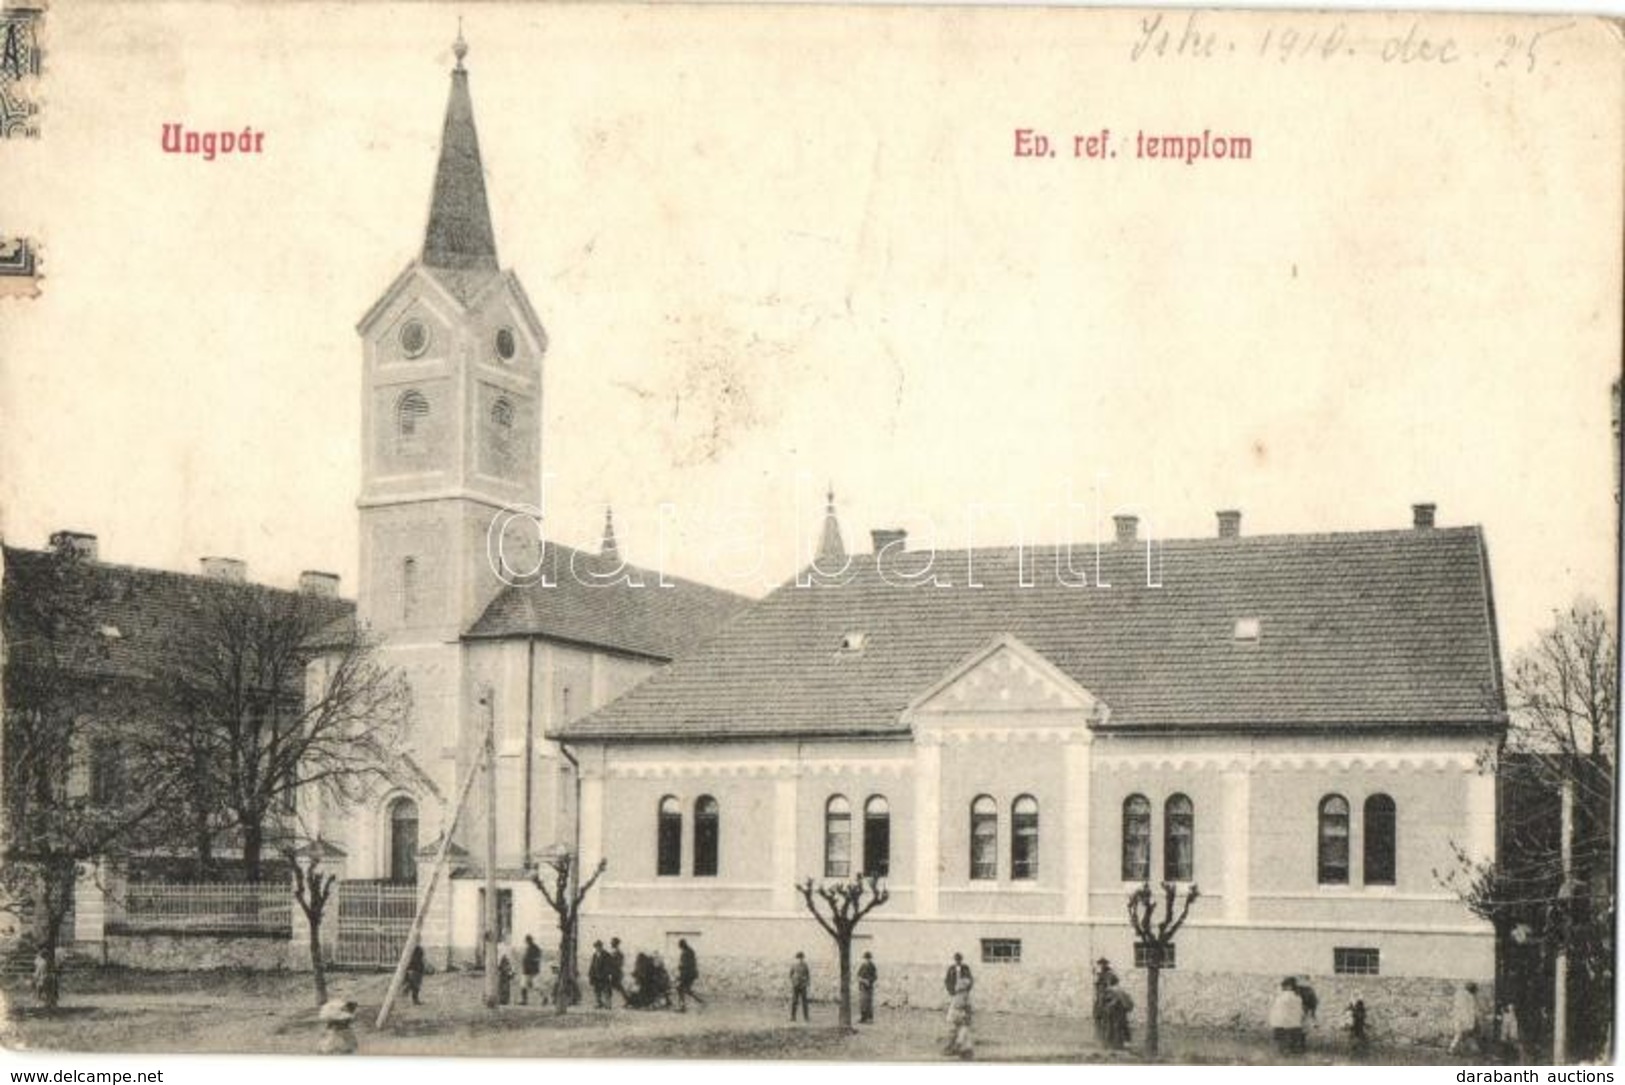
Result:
x=809 y=532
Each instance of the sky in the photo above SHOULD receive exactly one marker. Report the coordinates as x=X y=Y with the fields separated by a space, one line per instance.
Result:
x=782 y=249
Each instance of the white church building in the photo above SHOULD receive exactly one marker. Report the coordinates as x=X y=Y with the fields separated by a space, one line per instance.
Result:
x=1014 y=738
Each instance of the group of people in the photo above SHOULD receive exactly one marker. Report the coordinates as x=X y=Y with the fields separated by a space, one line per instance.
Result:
x=1294 y=1010
x=958 y=981
x=652 y=983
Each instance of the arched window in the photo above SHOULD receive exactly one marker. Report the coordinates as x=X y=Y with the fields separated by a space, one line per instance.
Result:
x=403 y=840
x=706 y=831
x=1024 y=838
x=1332 y=861
x=837 y=837
x=877 y=836
x=1136 y=839
x=1178 y=839
x=669 y=838
x=984 y=838
x=1380 y=843
x=410 y=412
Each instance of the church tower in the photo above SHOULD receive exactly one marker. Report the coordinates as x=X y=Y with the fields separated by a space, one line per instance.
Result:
x=451 y=408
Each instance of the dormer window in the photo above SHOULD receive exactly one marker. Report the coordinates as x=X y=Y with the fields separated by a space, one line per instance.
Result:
x=853 y=643
x=1247 y=629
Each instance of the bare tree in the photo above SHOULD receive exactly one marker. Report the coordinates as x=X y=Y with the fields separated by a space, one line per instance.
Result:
x=1157 y=936
x=312 y=890
x=256 y=725
x=78 y=789
x=1560 y=751
x=565 y=897
x=844 y=906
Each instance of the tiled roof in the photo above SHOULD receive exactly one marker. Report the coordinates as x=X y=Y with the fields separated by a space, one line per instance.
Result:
x=141 y=615
x=1358 y=630
x=630 y=613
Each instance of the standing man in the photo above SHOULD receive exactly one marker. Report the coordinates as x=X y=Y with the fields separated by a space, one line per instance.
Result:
x=959 y=969
x=688 y=970
x=530 y=967
x=598 y=976
x=800 y=986
x=867 y=975
x=615 y=974
x=1105 y=979
x=415 y=967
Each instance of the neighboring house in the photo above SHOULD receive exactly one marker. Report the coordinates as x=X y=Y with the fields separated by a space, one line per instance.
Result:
x=1294 y=723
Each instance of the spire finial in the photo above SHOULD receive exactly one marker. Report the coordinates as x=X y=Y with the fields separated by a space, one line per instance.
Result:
x=608 y=548
x=831 y=550
x=459 y=48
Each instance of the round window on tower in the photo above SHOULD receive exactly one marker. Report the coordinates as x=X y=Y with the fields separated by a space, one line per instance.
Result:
x=414 y=338
x=505 y=344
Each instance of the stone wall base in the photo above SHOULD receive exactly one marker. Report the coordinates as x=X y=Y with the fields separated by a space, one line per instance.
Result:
x=188 y=952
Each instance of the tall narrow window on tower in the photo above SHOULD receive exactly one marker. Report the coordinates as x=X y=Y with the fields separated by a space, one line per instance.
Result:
x=409 y=588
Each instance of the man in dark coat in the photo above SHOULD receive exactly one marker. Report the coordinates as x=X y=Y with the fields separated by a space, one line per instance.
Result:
x=530 y=967
x=688 y=970
x=1104 y=980
x=800 y=987
x=415 y=967
x=868 y=975
x=598 y=976
x=957 y=969
x=615 y=974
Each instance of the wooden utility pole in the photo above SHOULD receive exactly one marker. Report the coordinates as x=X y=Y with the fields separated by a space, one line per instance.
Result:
x=491 y=962
x=428 y=895
x=1565 y=901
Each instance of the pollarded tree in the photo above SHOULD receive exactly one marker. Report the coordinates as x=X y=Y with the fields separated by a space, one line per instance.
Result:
x=1157 y=938
x=564 y=896
x=844 y=904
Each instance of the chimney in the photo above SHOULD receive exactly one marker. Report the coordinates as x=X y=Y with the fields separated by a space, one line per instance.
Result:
x=232 y=569
x=325 y=585
x=1128 y=527
x=1230 y=523
x=80 y=542
x=1422 y=516
x=895 y=537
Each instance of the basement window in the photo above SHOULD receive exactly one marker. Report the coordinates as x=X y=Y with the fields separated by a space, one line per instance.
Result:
x=1354 y=961
x=1144 y=952
x=1001 y=951
x=1247 y=629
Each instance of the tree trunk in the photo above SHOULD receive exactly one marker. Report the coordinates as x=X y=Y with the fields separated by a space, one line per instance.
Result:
x=253 y=846
x=564 y=991
x=1153 y=977
x=844 y=944
x=318 y=967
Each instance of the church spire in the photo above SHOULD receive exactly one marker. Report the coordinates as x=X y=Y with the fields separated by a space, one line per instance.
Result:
x=459 y=234
x=607 y=549
x=831 y=550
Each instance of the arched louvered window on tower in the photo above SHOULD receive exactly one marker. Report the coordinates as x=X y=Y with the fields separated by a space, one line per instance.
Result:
x=411 y=415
